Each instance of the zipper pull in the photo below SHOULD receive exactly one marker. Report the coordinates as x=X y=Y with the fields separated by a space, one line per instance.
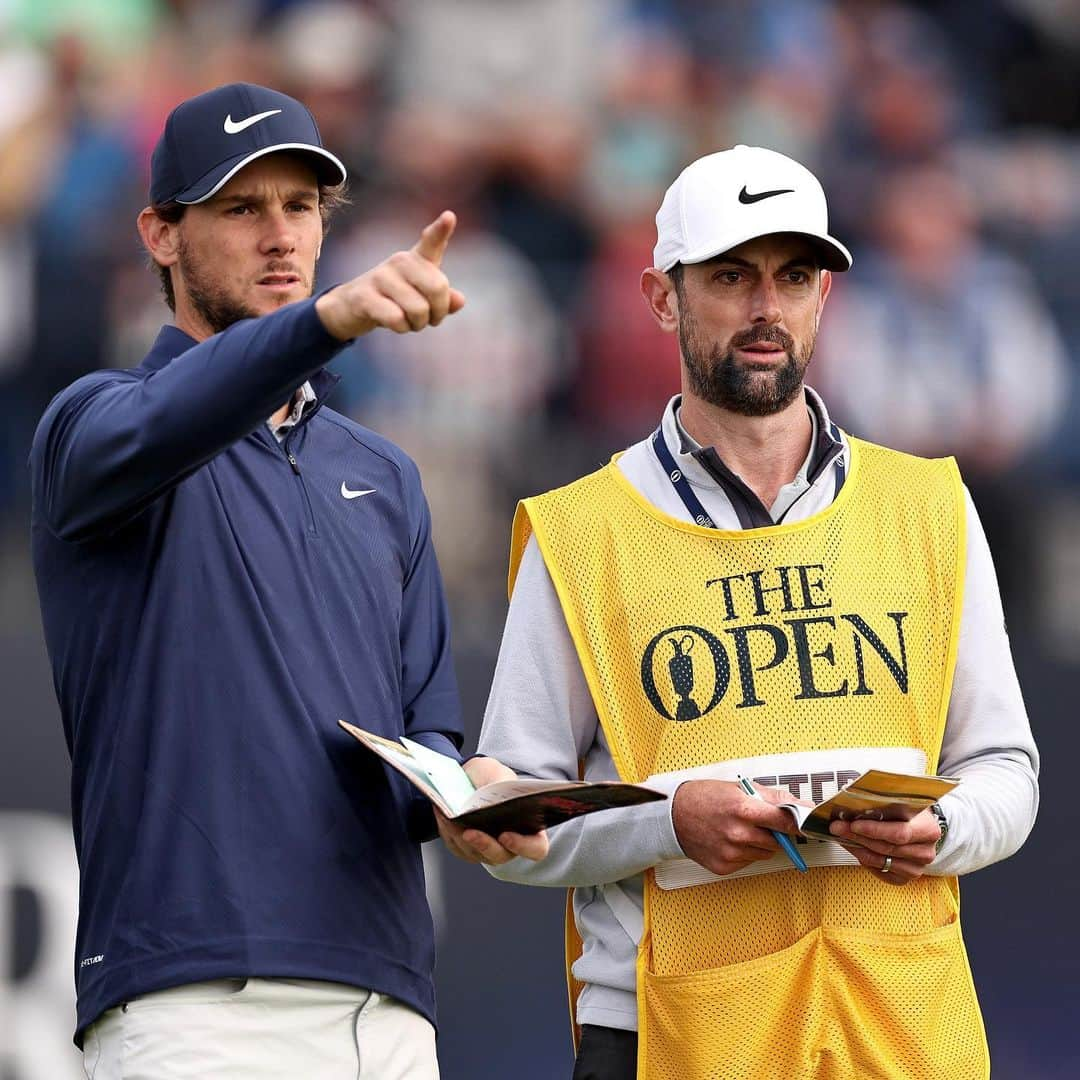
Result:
x=295 y=464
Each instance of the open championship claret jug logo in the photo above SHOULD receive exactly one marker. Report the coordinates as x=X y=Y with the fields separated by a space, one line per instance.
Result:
x=713 y=662
x=687 y=670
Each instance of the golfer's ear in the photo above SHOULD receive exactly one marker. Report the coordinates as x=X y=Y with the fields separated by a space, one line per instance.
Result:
x=661 y=298
x=161 y=238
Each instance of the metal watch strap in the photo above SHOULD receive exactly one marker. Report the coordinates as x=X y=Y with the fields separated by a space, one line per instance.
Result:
x=943 y=824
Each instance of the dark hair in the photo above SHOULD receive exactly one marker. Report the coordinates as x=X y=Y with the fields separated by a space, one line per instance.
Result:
x=331 y=198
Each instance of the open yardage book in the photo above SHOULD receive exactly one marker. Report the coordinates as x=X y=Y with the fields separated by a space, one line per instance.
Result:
x=886 y=796
x=521 y=806
x=873 y=792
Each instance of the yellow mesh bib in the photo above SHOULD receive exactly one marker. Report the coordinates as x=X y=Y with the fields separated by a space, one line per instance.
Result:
x=795 y=642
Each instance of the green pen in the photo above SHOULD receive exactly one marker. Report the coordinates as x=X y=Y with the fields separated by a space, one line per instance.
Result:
x=782 y=839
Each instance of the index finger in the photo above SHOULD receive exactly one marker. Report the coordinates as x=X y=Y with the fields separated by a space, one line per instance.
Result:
x=897 y=832
x=435 y=237
x=533 y=846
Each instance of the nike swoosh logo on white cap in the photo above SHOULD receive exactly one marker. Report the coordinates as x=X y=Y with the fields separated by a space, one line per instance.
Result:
x=234 y=127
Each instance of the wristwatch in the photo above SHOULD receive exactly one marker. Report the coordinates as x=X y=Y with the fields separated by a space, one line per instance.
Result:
x=943 y=824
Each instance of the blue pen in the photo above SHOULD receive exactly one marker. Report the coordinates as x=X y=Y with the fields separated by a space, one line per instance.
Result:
x=782 y=839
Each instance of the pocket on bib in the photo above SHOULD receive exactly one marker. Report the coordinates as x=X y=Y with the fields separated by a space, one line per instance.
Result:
x=755 y=1020
x=903 y=1005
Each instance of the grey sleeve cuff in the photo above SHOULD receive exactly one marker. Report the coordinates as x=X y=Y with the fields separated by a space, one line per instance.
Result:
x=669 y=846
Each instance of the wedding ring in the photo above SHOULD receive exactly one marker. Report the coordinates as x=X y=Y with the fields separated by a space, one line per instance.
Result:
x=886 y=866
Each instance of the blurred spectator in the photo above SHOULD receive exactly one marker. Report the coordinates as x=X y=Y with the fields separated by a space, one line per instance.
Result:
x=517 y=99
x=79 y=208
x=66 y=168
x=488 y=58
x=551 y=126
x=647 y=131
x=787 y=78
x=111 y=26
x=645 y=124
x=481 y=376
x=461 y=399
x=1025 y=186
x=940 y=344
x=627 y=364
x=23 y=72
x=331 y=55
x=899 y=106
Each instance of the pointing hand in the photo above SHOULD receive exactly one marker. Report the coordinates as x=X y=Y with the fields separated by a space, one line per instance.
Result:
x=407 y=291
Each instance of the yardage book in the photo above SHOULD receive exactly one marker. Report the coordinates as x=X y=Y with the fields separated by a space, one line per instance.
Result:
x=521 y=806
x=891 y=796
x=886 y=796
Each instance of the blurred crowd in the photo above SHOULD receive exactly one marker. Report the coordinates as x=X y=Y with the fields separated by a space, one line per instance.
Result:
x=946 y=135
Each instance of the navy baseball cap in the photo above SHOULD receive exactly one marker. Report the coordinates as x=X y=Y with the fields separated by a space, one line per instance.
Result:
x=211 y=137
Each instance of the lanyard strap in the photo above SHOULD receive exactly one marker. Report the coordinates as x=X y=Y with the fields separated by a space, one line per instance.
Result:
x=686 y=492
x=679 y=482
x=841 y=467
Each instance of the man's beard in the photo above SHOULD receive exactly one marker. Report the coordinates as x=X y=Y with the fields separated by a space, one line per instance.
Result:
x=717 y=378
x=213 y=304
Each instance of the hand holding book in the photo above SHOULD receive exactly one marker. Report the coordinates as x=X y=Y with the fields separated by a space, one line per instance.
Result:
x=473 y=845
x=872 y=819
x=877 y=795
x=515 y=805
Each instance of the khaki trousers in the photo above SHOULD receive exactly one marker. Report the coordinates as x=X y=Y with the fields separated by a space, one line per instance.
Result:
x=265 y=1029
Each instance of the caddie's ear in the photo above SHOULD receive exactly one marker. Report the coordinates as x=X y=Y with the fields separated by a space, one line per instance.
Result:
x=823 y=292
x=161 y=238
x=661 y=298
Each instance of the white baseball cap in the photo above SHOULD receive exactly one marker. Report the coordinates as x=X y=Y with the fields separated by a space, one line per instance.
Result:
x=722 y=200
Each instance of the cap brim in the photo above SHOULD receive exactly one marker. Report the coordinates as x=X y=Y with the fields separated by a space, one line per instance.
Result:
x=832 y=255
x=328 y=169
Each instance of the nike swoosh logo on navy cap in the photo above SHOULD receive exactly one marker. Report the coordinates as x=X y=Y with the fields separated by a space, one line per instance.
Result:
x=746 y=197
x=234 y=127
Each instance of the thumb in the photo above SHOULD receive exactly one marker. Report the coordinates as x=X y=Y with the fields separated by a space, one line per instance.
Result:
x=435 y=237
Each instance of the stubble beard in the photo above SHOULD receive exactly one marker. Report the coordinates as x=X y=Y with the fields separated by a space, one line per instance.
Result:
x=209 y=299
x=715 y=376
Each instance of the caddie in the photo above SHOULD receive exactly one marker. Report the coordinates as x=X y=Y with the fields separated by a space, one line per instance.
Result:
x=751 y=590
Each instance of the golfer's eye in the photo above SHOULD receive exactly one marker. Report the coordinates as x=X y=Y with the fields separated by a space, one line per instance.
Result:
x=797 y=277
x=240 y=210
x=728 y=277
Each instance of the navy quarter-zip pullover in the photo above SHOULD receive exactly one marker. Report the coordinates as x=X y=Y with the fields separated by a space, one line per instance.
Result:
x=213 y=603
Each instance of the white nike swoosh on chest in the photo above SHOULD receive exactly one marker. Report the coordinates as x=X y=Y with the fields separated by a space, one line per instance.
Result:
x=347 y=494
x=233 y=127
